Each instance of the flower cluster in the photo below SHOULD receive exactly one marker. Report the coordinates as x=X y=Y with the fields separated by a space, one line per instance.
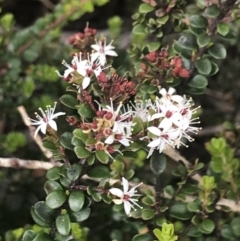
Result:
x=171 y=121
x=126 y=196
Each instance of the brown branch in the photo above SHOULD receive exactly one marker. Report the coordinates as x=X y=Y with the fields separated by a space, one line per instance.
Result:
x=37 y=139
x=55 y=24
x=48 y=4
x=27 y=164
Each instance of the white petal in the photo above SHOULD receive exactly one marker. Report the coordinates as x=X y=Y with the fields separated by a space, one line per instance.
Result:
x=117 y=201
x=155 y=143
x=124 y=142
x=116 y=192
x=127 y=207
x=53 y=124
x=43 y=128
x=162 y=145
x=171 y=90
x=150 y=152
x=86 y=82
x=109 y=140
x=156 y=116
x=96 y=47
x=125 y=184
x=154 y=130
x=94 y=56
x=165 y=124
x=57 y=114
x=177 y=98
x=111 y=53
x=67 y=72
x=37 y=130
x=163 y=91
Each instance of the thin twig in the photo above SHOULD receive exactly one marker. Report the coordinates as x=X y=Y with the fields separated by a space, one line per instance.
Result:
x=49 y=5
x=27 y=164
x=37 y=139
x=175 y=155
x=53 y=25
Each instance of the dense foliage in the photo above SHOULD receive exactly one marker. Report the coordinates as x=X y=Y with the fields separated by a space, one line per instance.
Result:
x=121 y=156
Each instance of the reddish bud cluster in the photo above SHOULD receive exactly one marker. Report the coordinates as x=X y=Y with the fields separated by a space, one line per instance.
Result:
x=116 y=86
x=162 y=62
x=81 y=40
x=178 y=69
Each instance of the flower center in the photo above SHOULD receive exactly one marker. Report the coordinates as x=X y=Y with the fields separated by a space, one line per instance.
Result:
x=126 y=197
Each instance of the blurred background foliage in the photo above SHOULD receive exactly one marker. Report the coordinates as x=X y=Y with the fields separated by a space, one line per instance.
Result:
x=33 y=43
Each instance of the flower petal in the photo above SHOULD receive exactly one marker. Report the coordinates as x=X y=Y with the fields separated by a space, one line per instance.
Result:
x=155 y=142
x=154 y=130
x=116 y=192
x=43 y=128
x=117 y=201
x=53 y=124
x=127 y=207
x=125 y=184
x=86 y=82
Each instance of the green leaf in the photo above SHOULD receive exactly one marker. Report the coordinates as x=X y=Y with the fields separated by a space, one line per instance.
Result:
x=193 y=207
x=227 y=233
x=69 y=101
x=82 y=152
x=28 y=235
x=198 y=21
x=80 y=215
x=30 y=55
x=149 y=200
x=38 y=220
x=139 y=29
x=99 y=172
x=212 y=11
x=223 y=29
x=207 y=226
x=74 y=171
x=203 y=40
x=76 y=200
x=145 y=8
x=198 y=81
x=56 y=199
x=158 y=162
x=102 y=156
x=51 y=186
x=142 y=237
x=203 y=66
x=42 y=237
x=147 y=214
x=235 y=226
x=44 y=212
x=180 y=211
x=63 y=224
x=49 y=145
x=188 y=41
x=65 y=140
x=218 y=51
x=78 y=133
x=85 y=111
x=215 y=68
x=53 y=173
x=153 y=46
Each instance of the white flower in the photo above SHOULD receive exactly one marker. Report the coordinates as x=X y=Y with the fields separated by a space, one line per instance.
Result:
x=126 y=196
x=140 y=109
x=165 y=134
x=46 y=119
x=169 y=95
x=102 y=50
x=121 y=123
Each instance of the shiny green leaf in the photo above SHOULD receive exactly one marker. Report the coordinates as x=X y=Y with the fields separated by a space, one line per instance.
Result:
x=56 y=199
x=63 y=224
x=69 y=101
x=99 y=172
x=76 y=200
